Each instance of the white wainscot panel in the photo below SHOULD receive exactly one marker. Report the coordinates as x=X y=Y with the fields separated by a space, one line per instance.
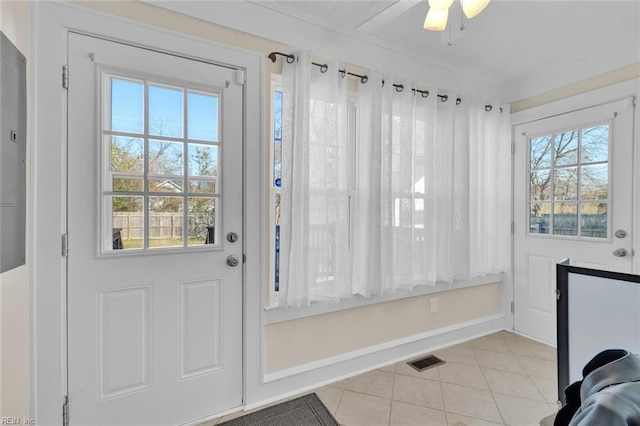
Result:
x=541 y=281
x=124 y=341
x=201 y=327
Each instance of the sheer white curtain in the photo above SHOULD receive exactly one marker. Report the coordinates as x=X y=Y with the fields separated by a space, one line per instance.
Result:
x=314 y=228
x=372 y=227
x=489 y=189
x=432 y=190
x=391 y=248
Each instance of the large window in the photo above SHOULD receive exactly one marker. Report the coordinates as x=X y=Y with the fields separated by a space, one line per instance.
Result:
x=276 y=177
x=161 y=182
x=569 y=183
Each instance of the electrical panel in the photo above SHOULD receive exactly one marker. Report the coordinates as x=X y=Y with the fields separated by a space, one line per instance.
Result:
x=13 y=149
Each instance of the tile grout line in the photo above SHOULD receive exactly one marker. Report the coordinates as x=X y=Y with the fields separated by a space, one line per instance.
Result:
x=340 y=401
x=444 y=403
x=393 y=389
x=490 y=390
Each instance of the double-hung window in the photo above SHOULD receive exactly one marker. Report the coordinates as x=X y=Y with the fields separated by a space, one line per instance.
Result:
x=275 y=175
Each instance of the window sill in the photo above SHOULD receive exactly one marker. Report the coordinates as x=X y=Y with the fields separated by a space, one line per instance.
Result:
x=274 y=314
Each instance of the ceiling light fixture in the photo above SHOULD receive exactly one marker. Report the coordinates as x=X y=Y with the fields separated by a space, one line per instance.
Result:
x=438 y=13
x=472 y=8
x=436 y=20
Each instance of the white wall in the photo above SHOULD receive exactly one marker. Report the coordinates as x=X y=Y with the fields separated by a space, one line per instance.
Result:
x=304 y=341
x=577 y=87
x=14 y=284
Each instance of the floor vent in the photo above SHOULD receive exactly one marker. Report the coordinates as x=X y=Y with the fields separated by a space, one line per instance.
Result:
x=426 y=362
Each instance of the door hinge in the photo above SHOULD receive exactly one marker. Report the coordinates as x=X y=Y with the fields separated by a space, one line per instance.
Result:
x=557 y=294
x=512 y=306
x=65 y=76
x=241 y=77
x=513 y=227
x=244 y=258
x=65 y=411
x=65 y=245
x=513 y=147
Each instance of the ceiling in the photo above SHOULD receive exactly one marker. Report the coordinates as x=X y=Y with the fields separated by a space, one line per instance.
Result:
x=517 y=47
x=509 y=40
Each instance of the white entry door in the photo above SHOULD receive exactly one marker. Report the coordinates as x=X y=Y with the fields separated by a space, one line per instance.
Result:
x=572 y=199
x=154 y=229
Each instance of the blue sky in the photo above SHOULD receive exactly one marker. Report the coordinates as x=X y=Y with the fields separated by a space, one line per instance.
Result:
x=165 y=111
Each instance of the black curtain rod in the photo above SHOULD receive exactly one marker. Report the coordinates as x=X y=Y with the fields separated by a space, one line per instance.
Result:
x=363 y=78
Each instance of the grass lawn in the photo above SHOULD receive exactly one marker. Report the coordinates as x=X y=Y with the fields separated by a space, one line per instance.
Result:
x=161 y=242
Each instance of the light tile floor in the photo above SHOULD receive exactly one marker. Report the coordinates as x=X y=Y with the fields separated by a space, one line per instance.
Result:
x=498 y=379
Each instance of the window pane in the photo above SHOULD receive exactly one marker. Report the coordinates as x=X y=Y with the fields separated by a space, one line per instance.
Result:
x=565 y=219
x=566 y=148
x=539 y=214
x=165 y=158
x=165 y=221
x=165 y=185
x=566 y=184
x=277 y=209
x=595 y=182
x=595 y=144
x=126 y=185
x=540 y=152
x=203 y=160
x=202 y=117
x=277 y=243
x=165 y=111
x=127 y=105
x=128 y=222
x=540 y=185
x=202 y=220
x=127 y=155
x=593 y=220
x=198 y=186
x=277 y=139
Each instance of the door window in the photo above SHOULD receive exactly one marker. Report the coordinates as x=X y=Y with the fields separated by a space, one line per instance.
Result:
x=161 y=180
x=569 y=183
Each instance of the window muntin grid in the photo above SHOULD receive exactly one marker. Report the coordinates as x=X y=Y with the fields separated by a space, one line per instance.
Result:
x=569 y=182
x=161 y=165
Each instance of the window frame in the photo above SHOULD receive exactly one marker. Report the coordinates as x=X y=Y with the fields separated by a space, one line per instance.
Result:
x=105 y=134
x=579 y=165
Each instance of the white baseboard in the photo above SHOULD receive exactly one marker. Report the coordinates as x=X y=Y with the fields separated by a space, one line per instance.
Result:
x=304 y=378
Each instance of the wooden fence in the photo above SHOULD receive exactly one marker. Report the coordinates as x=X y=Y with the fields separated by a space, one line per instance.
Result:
x=161 y=225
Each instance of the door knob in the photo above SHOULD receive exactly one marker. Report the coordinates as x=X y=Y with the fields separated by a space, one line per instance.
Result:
x=620 y=252
x=232 y=260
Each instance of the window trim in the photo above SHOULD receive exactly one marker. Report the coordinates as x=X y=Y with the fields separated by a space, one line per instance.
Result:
x=579 y=165
x=104 y=132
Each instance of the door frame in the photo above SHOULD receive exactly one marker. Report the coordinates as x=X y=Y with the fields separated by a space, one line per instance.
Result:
x=50 y=24
x=571 y=103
